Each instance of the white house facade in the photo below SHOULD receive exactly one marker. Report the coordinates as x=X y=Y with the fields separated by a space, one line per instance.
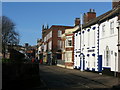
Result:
x=109 y=44
x=96 y=45
x=89 y=49
x=77 y=50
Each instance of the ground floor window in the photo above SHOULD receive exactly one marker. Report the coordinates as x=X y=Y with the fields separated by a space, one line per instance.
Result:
x=68 y=57
x=107 y=56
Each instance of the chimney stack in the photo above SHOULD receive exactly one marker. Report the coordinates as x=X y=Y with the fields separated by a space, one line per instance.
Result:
x=89 y=15
x=77 y=21
x=115 y=3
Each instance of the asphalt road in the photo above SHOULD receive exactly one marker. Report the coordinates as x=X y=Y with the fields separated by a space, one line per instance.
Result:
x=55 y=77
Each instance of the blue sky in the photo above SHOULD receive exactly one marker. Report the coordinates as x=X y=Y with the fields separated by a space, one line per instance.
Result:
x=30 y=16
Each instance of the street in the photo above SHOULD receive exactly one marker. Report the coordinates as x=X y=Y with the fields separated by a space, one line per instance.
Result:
x=55 y=77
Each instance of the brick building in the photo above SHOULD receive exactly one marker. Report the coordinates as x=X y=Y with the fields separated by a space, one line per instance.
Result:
x=52 y=42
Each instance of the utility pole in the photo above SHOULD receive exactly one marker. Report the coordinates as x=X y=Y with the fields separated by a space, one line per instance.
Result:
x=81 y=57
x=118 y=50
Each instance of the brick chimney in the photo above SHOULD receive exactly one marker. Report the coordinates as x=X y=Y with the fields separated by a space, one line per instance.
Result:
x=115 y=3
x=89 y=16
x=77 y=21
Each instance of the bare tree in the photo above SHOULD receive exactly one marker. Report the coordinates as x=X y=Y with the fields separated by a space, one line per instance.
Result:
x=9 y=35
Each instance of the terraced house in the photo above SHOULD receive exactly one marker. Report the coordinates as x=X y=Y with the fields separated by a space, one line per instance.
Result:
x=97 y=42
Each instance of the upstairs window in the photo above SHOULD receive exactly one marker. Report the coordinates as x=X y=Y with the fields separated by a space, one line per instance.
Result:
x=59 y=33
x=69 y=41
x=111 y=27
x=59 y=44
x=103 y=30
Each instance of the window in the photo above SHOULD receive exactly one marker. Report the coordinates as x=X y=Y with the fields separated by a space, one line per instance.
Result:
x=69 y=56
x=111 y=27
x=59 y=44
x=69 y=41
x=107 y=56
x=45 y=48
x=103 y=30
x=83 y=39
x=94 y=37
x=88 y=39
x=50 y=45
x=59 y=33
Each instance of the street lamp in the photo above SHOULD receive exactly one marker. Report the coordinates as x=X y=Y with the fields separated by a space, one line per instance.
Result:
x=118 y=45
x=118 y=35
x=118 y=49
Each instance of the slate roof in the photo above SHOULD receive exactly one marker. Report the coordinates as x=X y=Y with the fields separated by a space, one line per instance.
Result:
x=102 y=18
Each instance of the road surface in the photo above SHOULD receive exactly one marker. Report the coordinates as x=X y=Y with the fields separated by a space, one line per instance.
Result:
x=55 y=77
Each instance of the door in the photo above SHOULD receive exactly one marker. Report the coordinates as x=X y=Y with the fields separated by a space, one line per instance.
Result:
x=100 y=63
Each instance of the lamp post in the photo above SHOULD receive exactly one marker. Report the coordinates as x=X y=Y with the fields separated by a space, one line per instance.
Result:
x=118 y=45
x=118 y=50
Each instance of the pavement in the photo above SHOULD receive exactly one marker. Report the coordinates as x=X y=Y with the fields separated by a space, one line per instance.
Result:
x=55 y=77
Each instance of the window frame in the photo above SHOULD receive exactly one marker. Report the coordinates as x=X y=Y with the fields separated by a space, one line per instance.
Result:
x=112 y=27
x=59 y=33
x=69 y=39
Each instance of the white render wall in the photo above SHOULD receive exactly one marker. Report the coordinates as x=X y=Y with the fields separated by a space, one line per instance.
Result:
x=96 y=41
x=90 y=43
x=77 y=50
x=110 y=40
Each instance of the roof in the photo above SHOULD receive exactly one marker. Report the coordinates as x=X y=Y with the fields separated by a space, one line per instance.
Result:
x=61 y=26
x=57 y=26
x=102 y=18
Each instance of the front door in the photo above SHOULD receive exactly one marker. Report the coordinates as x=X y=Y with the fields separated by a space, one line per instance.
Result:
x=100 y=63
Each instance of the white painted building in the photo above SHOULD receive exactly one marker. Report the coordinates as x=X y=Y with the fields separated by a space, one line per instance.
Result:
x=77 y=50
x=89 y=48
x=96 y=45
x=109 y=42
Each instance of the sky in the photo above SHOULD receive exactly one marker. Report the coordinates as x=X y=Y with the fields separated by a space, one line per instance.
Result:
x=30 y=16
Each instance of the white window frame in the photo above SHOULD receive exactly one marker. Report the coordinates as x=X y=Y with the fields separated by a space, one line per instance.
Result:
x=68 y=56
x=59 y=33
x=103 y=30
x=69 y=38
x=88 y=38
x=112 y=27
